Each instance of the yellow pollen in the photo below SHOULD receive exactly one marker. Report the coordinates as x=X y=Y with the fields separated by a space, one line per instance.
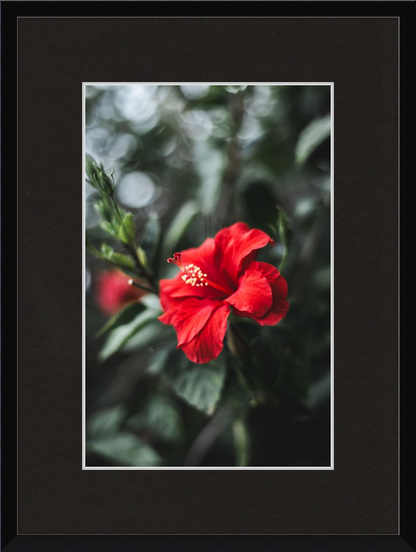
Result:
x=193 y=275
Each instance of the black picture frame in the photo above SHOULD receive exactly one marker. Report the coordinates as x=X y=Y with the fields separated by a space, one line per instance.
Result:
x=25 y=164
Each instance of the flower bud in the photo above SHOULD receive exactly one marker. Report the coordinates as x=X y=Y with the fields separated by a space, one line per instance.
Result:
x=114 y=291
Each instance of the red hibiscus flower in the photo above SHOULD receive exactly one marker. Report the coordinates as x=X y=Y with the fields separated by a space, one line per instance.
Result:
x=114 y=291
x=220 y=276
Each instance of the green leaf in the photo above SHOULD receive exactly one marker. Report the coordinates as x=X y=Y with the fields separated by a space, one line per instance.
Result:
x=122 y=261
x=127 y=230
x=151 y=301
x=120 y=335
x=109 y=228
x=284 y=227
x=142 y=257
x=198 y=384
x=178 y=227
x=160 y=417
x=281 y=229
x=90 y=162
x=322 y=278
x=94 y=251
x=158 y=362
x=122 y=317
x=150 y=239
x=311 y=137
x=106 y=250
x=125 y=449
x=319 y=393
x=97 y=177
x=106 y=421
x=152 y=334
x=118 y=259
x=92 y=171
x=104 y=210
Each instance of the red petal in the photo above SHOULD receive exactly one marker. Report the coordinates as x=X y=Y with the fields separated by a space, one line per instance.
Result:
x=168 y=316
x=190 y=317
x=173 y=291
x=208 y=343
x=166 y=287
x=175 y=288
x=235 y=244
x=272 y=275
x=278 y=285
x=204 y=256
x=279 y=308
x=114 y=291
x=253 y=295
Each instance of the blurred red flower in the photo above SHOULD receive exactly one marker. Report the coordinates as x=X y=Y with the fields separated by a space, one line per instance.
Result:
x=221 y=275
x=114 y=291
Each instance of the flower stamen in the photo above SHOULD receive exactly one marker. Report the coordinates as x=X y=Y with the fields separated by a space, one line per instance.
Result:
x=193 y=275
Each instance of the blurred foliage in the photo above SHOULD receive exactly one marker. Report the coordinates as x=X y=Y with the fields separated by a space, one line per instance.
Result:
x=168 y=166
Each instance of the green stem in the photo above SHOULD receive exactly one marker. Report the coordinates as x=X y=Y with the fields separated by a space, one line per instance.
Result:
x=145 y=288
x=233 y=165
x=133 y=252
x=240 y=353
x=94 y=251
x=144 y=270
x=116 y=209
x=284 y=259
x=241 y=442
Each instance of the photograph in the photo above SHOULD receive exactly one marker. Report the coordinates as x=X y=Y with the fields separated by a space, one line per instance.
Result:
x=208 y=276
x=208 y=210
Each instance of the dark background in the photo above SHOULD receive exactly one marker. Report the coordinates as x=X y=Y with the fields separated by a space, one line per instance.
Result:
x=360 y=495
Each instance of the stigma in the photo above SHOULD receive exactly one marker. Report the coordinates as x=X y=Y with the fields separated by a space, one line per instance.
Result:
x=192 y=274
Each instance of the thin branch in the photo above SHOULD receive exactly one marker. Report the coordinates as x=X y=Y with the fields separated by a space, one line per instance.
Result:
x=145 y=288
x=207 y=437
x=232 y=170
